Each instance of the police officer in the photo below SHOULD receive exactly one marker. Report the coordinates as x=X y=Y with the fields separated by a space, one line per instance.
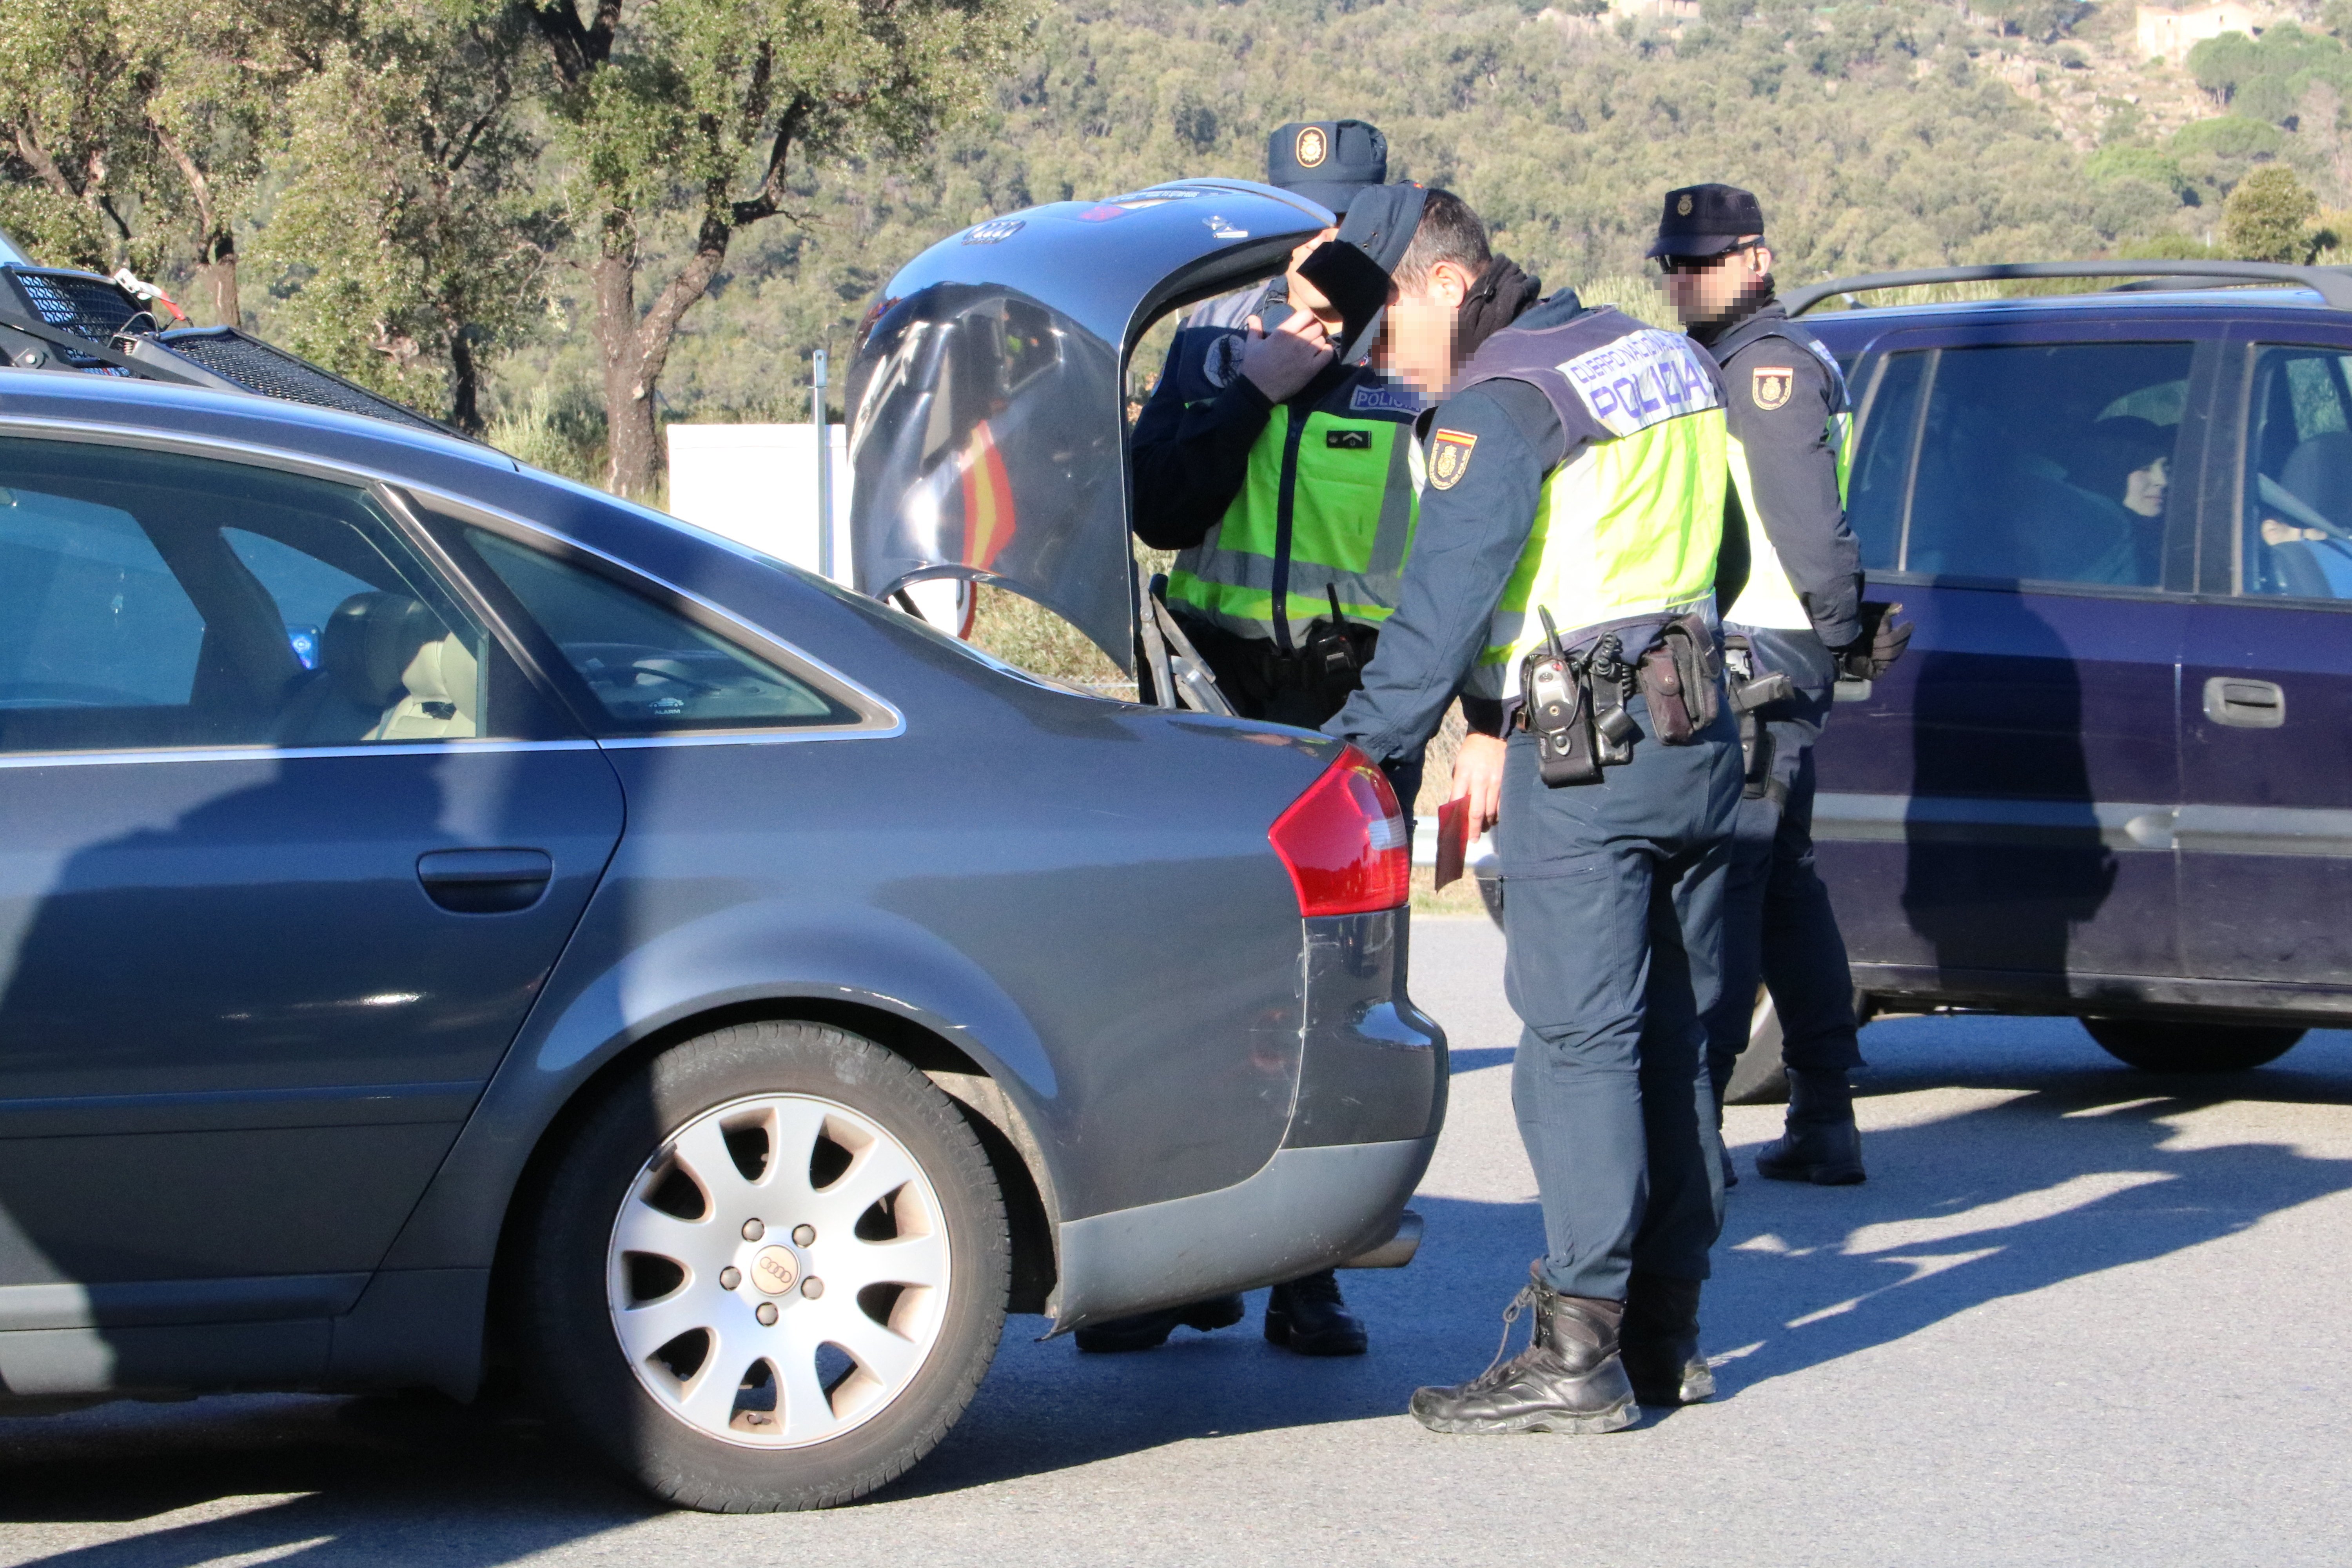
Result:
x=1576 y=473
x=1286 y=486
x=1800 y=616
x=1280 y=474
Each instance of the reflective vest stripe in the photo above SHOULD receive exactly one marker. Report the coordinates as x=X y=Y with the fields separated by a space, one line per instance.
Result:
x=1349 y=525
x=1769 y=599
x=1625 y=528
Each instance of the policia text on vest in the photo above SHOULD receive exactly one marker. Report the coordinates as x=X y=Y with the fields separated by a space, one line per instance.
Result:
x=1579 y=466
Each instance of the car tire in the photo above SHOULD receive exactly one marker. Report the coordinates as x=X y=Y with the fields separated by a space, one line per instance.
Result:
x=2169 y=1046
x=841 y=1159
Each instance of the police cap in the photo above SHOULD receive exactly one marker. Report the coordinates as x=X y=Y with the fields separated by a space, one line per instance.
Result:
x=1326 y=161
x=1706 y=220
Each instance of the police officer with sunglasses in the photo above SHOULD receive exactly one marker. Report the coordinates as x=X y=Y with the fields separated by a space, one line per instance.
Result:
x=1796 y=625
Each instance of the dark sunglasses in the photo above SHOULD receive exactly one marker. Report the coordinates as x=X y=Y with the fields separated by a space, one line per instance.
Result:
x=1670 y=264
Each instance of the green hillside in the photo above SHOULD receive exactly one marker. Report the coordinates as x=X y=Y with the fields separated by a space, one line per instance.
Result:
x=1879 y=135
x=399 y=187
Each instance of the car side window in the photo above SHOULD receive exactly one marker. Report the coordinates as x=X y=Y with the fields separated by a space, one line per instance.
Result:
x=650 y=668
x=2295 y=540
x=1882 y=459
x=156 y=600
x=2047 y=463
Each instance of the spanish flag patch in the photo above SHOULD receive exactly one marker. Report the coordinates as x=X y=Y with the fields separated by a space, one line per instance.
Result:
x=1449 y=456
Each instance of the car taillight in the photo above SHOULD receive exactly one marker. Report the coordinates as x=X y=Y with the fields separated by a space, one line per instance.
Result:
x=1344 y=841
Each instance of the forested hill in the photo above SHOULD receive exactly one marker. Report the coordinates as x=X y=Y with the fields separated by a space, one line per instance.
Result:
x=1878 y=135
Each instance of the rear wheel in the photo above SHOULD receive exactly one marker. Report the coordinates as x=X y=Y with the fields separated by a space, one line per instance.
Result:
x=2169 y=1045
x=770 y=1270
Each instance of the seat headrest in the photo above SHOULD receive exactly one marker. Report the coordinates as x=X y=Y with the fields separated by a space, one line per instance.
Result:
x=445 y=671
x=369 y=642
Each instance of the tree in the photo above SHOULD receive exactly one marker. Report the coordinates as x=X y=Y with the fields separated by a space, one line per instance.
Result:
x=692 y=108
x=406 y=239
x=212 y=99
x=2268 y=217
x=72 y=105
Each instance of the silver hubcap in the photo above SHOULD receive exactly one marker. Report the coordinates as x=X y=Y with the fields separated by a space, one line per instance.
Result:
x=779 y=1271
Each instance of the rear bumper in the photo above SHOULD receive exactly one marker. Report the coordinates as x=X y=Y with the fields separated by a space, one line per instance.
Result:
x=1370 y=1101
x=1306 y=1209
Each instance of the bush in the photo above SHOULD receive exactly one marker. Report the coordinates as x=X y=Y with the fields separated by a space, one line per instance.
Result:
x=2268 y=217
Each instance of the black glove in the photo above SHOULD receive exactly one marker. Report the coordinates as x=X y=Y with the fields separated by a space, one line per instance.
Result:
x=1882 y=642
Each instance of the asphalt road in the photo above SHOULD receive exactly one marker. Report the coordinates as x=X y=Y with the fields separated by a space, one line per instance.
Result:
x=2079 y=1314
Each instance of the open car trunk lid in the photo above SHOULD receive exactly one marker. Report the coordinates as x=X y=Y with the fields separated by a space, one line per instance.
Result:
x=986 y=400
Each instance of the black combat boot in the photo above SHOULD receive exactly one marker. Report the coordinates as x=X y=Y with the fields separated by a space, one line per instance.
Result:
x=1821 y=1144
x=1660 y=1341
x=1148 y=1330
x=1307 y=1316
x=1568 y=1379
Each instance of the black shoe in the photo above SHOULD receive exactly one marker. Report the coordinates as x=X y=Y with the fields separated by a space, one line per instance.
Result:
x=1568 y=1379
x=1660 y=1341
x=1148 y=1330
x=1307 y=1316
x=1821 y=1144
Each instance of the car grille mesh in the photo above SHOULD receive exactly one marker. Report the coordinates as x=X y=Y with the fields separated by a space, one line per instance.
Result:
x=88 y=306
x=257 y=367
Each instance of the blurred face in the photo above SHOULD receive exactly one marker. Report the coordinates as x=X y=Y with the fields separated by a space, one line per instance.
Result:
x=1308 y=298
x=2144 y=489
x=1705 y=288
x=1417 y=334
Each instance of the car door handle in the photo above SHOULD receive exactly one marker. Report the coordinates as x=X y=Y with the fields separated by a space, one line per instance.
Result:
x=2244 y=704
x=485 y=881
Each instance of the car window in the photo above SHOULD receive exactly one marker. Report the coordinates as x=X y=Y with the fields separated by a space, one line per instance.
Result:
x=2047 y=463
x=306 y=588
x=649 y=667
x=1882 y=459
x=2297 y=535
x=151 y=599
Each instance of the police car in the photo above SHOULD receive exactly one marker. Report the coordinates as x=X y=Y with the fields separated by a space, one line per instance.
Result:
x=2112 y=777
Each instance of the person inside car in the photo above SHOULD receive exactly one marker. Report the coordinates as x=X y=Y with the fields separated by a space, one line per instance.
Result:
x=2124 y=467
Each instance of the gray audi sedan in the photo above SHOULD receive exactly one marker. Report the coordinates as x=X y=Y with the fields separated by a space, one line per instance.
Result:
x=452 y=919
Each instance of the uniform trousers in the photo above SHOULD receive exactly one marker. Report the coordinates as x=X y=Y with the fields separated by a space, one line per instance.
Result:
x=1612 y=914
x=1778 y=927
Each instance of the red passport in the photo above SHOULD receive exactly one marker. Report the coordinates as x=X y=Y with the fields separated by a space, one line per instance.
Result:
x=1453 y=838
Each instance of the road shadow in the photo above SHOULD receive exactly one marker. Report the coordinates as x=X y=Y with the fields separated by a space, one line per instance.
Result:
x=418 y=1481
x=2077 y=1173
x=2066 y=1168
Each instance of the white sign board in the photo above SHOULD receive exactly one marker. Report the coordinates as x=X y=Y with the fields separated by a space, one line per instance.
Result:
x=757 y=484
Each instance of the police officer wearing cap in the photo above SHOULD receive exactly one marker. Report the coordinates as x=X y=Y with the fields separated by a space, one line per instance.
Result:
x=1799 y=617
x=1564 y=571
x=1279 y=475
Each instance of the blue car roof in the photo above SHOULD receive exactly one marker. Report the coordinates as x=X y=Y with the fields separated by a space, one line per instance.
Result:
x=2110 y=303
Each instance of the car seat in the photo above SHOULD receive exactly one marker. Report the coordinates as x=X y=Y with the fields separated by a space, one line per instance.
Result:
x=2318 y=473
x=388 y=671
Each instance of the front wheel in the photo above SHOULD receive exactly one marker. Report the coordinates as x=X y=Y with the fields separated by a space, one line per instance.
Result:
x=770 y=1270
x=2166 y=1046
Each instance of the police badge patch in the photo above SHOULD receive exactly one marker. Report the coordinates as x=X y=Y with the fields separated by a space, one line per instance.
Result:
x=1221 y=363
x=1313 y=147
x=1768 y=387
x=1449 y=458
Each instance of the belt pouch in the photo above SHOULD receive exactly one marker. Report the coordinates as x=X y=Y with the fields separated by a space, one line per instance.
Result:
x=1681 y=675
